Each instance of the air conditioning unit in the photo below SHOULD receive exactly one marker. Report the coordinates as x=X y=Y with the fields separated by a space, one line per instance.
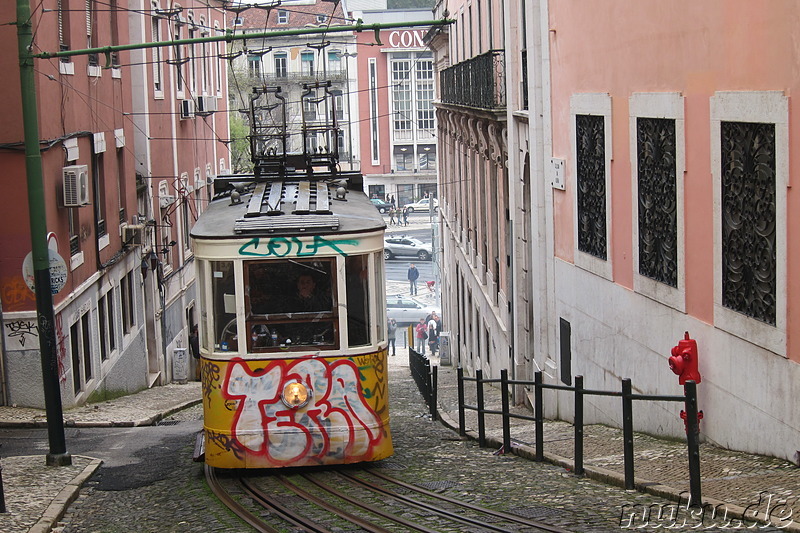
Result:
x=166 y=201
x=76 y=185
x=206 y=105
x=133 y=235
x=187 y=109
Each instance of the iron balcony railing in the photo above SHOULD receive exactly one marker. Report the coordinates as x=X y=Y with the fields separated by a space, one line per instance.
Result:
x=478 y=82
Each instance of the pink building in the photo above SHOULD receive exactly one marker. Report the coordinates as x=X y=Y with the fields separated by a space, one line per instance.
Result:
x=649 y=166
x=113 y=139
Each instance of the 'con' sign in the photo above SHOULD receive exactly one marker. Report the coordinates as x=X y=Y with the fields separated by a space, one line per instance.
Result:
x=406 y=39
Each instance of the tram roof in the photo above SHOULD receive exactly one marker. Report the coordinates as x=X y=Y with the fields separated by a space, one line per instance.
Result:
x=290 y=206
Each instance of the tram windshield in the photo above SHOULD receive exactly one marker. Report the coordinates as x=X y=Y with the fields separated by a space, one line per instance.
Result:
x=291 y=303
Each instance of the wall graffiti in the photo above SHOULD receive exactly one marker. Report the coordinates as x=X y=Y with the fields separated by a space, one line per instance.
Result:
x=343 y=421
x=23 y=332
x=283 y=246
x=61 y=350
x=16 y=295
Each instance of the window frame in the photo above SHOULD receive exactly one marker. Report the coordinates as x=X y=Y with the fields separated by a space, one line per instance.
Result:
x=765 y=107
x=663 y=106
x=597 y=104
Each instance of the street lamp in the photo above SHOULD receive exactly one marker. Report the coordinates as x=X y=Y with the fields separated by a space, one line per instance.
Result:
x=347 y=56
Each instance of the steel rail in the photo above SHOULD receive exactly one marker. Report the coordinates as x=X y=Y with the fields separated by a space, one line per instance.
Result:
x=498 y=514
x=350 y=517
x=424 y=506
x=237 y=508
x=281 y=510
x=367 y=507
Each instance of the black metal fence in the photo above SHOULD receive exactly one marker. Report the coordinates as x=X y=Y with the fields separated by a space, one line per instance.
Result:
x=425 y=377
x=689 y=399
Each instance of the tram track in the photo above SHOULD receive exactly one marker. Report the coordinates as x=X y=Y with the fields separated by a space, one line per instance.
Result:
x=321 y=501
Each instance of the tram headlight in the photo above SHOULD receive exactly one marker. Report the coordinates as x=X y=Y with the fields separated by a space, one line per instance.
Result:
x=295 y=395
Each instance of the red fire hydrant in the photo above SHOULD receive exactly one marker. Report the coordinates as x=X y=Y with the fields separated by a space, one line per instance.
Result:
x=684 y=360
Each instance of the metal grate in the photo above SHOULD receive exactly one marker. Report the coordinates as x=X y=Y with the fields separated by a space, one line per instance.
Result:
x=539 y=512
x=438 y=485
x=168 y=422
x=291 y=222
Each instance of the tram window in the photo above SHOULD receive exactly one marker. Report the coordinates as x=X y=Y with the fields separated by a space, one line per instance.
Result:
x=291 y=303
x=358 y=317
x=224 y=291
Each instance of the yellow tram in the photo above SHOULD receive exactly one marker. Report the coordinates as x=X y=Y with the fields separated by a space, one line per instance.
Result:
x=293 y=330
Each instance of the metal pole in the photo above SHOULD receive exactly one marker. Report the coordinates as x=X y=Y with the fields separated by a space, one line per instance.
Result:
x=693 y=442
x=434 y=382
x=58 y=455
x=481 y=407
x=538 y=408
x=579 y=425
x=506 y=411
x=627 y=432
x=462 y=431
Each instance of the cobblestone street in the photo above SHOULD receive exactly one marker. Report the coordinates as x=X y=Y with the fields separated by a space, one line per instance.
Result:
x=426 y=453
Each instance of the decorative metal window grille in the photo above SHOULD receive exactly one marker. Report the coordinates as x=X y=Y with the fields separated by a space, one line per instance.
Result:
x=591 y=166
x=658 y=216
x=748 y=214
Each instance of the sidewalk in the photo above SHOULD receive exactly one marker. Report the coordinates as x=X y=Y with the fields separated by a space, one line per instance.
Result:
x=37 y=495
x=746 y=485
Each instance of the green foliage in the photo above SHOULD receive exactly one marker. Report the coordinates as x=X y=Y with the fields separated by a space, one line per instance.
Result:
x=240 y=147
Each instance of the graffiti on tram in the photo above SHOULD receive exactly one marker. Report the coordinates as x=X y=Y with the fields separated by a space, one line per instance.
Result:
x=337 y=421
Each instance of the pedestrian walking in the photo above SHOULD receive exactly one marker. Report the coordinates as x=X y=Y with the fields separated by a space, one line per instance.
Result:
x=391 y=200
x=391 y=216
x=405 y=216
x=433 y=337
x=421 y=335
x=413 y=276
x=391 y=330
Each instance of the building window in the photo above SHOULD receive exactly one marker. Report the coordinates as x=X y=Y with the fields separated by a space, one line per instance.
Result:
x=591 y=189
x=254 y=65
x=591 y=143
x=280 y=65
x=128 y=306
x=657 y=213
x=155 y=29
x=748 y=219
x=177 y=58
x=335 y=63
x=401 y=99
x=81 y=347
x=749 y=143
x=99 y=180
x=424 y=93
x=321 y=19
x=404 y=158
x=427 y=157
x=105 y=310
x=283 y=16
x=657 y=139
x=307 y=63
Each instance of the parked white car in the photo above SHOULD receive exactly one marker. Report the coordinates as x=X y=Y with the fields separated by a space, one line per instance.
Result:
x=423 y=205
x=406 y=310
x=408 y=246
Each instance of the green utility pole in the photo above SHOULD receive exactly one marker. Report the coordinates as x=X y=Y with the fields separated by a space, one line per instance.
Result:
x=58 y=455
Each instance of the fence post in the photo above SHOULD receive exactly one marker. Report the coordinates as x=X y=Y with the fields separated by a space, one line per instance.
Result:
x=506 y=418
x=693 y=442
x=462 y=430
x=627 y=432
x=481 y=407
x=434 y=381
x=538 y=406
x=2 y=493
x=579 y=425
